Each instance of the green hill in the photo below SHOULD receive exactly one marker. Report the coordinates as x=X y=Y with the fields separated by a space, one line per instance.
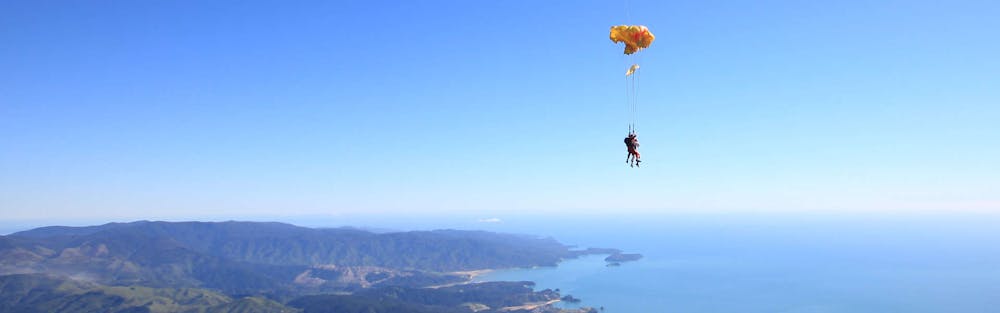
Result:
x=284 y=244
x=43 y=293
x=256 y=267
x=266 y=258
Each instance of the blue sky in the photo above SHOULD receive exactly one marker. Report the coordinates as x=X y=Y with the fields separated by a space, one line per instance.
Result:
x=188 y=109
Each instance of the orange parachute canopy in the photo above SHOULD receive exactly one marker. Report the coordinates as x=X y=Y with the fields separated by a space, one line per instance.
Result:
x=635 y=37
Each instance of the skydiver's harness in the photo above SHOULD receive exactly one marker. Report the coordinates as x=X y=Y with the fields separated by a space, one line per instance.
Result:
x=630 y=143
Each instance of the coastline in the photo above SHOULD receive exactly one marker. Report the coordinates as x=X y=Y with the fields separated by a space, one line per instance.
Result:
x=594 y=262
x=474 y=273
x=529 y=306
x=475 y=276
x=470 y=277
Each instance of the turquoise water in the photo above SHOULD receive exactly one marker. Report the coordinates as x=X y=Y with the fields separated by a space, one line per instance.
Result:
x=813 y=265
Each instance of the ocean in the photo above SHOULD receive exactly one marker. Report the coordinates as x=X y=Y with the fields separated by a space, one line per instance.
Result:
x=777 y=264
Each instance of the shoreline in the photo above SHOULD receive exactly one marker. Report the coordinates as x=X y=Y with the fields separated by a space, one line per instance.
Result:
x=470 y=278
x=529 y=306
x=474 y=273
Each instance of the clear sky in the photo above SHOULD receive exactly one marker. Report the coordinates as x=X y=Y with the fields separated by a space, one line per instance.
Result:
x=193 y=109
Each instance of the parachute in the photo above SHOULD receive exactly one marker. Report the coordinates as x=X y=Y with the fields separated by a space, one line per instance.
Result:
x=631 y=70
x=635 y=37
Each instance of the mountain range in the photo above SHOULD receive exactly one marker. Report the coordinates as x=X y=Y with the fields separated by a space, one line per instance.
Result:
x=265 y=266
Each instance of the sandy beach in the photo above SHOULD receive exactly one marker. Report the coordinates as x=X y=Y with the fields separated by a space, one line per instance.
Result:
x=471 y=277
x=529 y=306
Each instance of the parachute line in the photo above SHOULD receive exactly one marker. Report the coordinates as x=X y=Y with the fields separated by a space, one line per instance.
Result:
x=635 y=39
x=635 y=95
x=632 y=97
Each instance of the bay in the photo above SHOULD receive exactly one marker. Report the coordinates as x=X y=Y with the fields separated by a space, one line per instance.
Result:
x=785 y=265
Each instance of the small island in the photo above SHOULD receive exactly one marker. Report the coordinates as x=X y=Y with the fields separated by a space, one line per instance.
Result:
x=623 y=257
x=570 y=299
